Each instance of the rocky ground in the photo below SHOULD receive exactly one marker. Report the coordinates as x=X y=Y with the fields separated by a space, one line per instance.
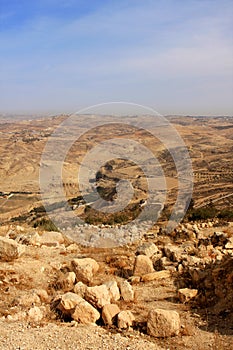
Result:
x=161 y=292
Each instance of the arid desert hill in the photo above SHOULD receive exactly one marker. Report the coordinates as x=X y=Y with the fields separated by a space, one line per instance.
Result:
x=208 y=140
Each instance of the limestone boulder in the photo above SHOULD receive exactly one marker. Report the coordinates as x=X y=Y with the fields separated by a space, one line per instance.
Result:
x=125 y=319
x=98 y=296
x=10 y=250
x=127 y=292
x=148 y=249
x=109 y=312
x=186 y=294
x=163 y=323
x=143 y=265
x=85 y=269
x=113 y=291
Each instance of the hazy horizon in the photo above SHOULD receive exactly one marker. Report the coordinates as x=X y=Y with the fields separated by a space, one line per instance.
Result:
x=61 y=56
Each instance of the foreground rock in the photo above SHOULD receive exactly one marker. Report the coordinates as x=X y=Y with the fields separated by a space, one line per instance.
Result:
x=186 y=294
x=85 y=313
x=125 y=319
x=9 y=249
x=113 y=290
x=163 y=323
x=157 y=275
x=148 y=249
x=109 y=312
x=98 y=296
x=143 y=265
x=85 y=269
x=35 y=314
x=51 y=238
x=127 y=292
x=74 y=306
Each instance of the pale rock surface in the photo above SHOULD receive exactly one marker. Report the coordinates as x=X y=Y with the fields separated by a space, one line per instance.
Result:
x=51 y=238
x=163 y=323
x=127 y=292
x=142 y=265
x=186 y=294
x=80 y=289
x=98 y=296
x=229 y=244
x=85 y=313
x=125 y=319
x=67 y=281
x=109 y=311
x=173 y=252
x=85 y=269
x=113 y=290
x=157 y=275
x=68 y=302
x=35 y=314
x=27 y=299
x=147 y=249
x=9 y=249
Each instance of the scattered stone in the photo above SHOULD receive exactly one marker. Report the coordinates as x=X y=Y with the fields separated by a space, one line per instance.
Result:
x=68 y=302
x=31 y=238
x=157 y=275
x=27 y=299
x=142 y=265
x=80 y=289
x=84 y=312
x=98 y=296
x=127 y=291
x=186 y=294
x=35 y=314
x=113 y=291
x=147 y=249
x=19 y=316
x=72 y=248
x=74 y=306
x=67 y=281
x=173 y=253
x=42 y=294
x=125 y=319
x=229 y=244
x=51 y=238
x=109 y=312
x=163 y=323
x=85 y=269
x=9 y=249
x=134 y=279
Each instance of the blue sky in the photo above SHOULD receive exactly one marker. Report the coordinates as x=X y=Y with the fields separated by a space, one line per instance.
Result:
x=173 y=55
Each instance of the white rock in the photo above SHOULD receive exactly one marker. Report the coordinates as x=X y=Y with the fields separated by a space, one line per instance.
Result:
x=98 y=296
x=85 y=313
x=67 y=281
x=85 y=269
x=229 y=244
x=68 y=302
x=109 y=311
x=51 y=238
x=80 y=289
x=163 y=323
x=113 y=290
x=142 y=265
x=126 y=290
x=35 y=314
x=9 y=249
x=147 y=249
x=156 y=275
x=186 y=294
x=125 y=319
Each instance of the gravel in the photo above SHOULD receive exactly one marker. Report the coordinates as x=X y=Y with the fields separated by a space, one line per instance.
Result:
x=21 y=336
